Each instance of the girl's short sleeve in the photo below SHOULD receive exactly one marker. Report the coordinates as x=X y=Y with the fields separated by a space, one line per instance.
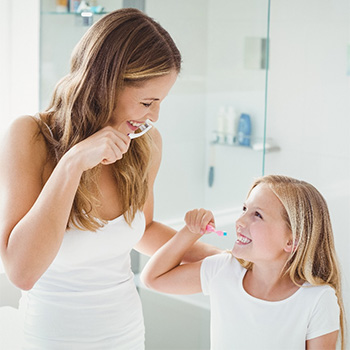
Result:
x=210 y=268
x=325 y=316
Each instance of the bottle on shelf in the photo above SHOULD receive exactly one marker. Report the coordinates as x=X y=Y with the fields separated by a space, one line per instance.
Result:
x=244 y=130
x=221 y=125
x=61 y=6
x=231 y=126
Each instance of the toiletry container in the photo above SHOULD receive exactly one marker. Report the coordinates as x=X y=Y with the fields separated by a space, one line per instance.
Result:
x=61 y=6
x=231 y=126
x=244 y=130
x=221 y=123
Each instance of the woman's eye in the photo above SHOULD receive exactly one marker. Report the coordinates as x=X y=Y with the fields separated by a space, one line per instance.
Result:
x=258 y=214
x=147 y=104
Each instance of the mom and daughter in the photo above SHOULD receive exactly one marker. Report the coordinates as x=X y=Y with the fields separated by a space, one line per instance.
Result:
x=77 y=196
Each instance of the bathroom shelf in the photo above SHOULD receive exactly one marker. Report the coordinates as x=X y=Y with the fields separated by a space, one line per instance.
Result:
x=56 y=13
x=269 y=146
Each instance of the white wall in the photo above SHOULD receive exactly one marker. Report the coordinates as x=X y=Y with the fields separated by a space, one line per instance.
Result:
x=308 y=105
x=231 y=83
x=180 y=183
x=19 y=59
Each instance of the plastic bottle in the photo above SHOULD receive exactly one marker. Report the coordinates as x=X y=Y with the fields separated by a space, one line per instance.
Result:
x=231 y=126
x=221 y=125
x=244 y=130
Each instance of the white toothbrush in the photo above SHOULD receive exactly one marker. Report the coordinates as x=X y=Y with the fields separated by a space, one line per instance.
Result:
x=142 y=129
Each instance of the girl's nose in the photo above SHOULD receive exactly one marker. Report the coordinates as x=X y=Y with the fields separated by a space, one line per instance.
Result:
x=241 y=222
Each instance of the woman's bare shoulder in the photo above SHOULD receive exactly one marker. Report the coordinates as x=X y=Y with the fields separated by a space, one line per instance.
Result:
x=24 y=145
x=23 y=134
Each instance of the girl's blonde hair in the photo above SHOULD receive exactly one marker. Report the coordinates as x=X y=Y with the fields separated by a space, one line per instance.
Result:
x=306 y=214
x=125 y=47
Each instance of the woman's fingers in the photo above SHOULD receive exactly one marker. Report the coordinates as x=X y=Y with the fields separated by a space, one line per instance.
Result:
x=105 y=146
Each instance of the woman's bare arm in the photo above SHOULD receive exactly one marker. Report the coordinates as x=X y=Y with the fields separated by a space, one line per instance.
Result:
x=34 y=213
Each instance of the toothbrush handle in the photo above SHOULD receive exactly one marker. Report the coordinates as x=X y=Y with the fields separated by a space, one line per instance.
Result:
x=210 y=228
x=134 y=136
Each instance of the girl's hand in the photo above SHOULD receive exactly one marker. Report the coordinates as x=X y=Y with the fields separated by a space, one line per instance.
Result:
x=198 y=219
x=106 y=146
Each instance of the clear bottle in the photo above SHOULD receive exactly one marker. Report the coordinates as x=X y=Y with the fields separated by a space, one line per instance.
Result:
x=231 y=126
x=221 y=125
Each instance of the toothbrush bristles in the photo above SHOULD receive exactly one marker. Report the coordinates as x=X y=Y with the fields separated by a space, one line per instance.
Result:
x=142 y=129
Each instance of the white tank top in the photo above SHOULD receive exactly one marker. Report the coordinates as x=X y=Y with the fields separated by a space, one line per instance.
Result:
x=87 y=298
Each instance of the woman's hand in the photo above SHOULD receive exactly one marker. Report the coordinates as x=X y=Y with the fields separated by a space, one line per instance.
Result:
x=106 y=146
x=197 y=220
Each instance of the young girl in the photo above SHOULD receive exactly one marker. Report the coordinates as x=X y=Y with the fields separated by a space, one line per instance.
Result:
x=279 y=288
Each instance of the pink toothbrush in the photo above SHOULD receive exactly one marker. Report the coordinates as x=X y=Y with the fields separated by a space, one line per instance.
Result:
x=210 y=228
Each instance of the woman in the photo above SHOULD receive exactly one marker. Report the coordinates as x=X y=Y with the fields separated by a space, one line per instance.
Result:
x=77 y=193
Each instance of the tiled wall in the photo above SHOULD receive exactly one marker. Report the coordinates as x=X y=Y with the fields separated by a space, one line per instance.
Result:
x=211 y=37
x=308 y=105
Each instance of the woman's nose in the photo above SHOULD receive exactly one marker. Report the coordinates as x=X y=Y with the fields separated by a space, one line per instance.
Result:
x=153 y=114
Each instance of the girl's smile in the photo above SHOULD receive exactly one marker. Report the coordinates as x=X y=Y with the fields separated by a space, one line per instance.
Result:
x=242 y=240
x=262 y=234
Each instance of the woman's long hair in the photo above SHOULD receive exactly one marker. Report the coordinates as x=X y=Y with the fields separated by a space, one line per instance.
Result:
x=306 y=214
x=125 y=47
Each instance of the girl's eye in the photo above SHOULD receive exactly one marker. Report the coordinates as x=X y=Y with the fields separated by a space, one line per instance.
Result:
x=146 y=104
x=244 y=208
x=258 y=215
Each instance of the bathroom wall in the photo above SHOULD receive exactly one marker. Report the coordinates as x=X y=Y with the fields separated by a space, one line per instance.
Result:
x=231 y=82
x=19 y=60
x=182 y=123
x=211 y=36
x=308 y=105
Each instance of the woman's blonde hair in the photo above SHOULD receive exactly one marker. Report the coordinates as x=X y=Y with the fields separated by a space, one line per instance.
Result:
x=125 y=47
x=306 y=214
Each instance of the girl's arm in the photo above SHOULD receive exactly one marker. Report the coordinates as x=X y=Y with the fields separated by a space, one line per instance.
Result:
x=325 y=342
x=164 y=271
x=157 y=234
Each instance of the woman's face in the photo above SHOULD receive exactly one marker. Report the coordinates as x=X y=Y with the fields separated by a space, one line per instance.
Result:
x=262 y=234
x=137 y=104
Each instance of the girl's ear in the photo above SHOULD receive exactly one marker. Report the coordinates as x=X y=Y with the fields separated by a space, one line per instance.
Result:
x=290 y=247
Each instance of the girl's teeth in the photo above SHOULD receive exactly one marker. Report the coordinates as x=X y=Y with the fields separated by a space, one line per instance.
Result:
x=243 y=239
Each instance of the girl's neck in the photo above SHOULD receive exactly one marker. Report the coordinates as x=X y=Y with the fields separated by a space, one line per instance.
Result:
x=268 y=284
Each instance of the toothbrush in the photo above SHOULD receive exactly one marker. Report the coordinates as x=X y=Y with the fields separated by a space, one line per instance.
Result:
x=210 y=228
x=142 y=129
x=211 y=166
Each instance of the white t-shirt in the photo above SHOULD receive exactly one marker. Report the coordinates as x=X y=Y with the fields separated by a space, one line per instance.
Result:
x=240 y=321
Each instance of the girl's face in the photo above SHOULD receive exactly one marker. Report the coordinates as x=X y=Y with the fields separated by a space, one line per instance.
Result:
x=262 y=234
x=137 y=104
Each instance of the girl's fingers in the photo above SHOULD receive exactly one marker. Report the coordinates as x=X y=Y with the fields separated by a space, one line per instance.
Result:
x=198 y=219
